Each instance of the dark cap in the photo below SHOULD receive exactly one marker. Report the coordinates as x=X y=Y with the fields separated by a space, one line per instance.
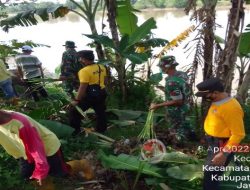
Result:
x=87 y=54
x=209 y=85
x=167 y=61
x=70 y=44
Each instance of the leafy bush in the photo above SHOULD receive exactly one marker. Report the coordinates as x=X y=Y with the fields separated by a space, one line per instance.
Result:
x=180 y=3
x=9 y=173
x=139 y=96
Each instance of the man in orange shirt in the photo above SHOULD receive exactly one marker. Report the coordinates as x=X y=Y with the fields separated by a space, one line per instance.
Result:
x=224 y=128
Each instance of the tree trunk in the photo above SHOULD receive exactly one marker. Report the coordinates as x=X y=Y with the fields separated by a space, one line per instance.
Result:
x=99 y=49
x=228 y=57
x=209 y=41
x=119 y=63
x=243 y=90
x=208 y=30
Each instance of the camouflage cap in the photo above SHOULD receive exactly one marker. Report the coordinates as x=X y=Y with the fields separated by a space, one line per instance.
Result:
x=69 y=44
x=168 y=61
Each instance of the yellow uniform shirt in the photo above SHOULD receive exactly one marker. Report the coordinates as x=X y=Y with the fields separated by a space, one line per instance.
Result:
x=12 y=140
x=4 y=73
x=225 y=119
x=90 y=75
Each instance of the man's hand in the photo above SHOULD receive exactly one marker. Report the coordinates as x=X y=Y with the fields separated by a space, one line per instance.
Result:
x=62 y=78
x=219 y=159
x=153 y=106
x=74 y=103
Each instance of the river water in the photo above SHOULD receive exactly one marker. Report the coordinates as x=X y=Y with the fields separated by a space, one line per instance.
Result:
x=72 y=27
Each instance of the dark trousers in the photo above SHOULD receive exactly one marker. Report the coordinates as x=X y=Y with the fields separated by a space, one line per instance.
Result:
x=98 y=105
x=213 y=143
x=58 y=168
x=35 y=87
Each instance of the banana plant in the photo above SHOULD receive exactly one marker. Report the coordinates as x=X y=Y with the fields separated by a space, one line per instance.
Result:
x=10 y=48
x=244 y=72
x=128 y=44
x=87 y=11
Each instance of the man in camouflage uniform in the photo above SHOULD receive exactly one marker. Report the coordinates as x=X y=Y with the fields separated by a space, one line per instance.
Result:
x=177 y=92
x=69 y=68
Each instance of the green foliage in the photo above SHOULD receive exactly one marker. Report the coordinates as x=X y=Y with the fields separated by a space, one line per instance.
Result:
x=128 y=43
x=11 y=48
x=178 y=158
x=155 y=78
x=159 y=3
x=180 y=3
x=125 y=10
x=61 y=130
x=142 y=31
x=126 y=162
x=9 y=173
x=186 y=172
x=244 y=45
x=140 y=95
x=247 y=122
x=28 y=18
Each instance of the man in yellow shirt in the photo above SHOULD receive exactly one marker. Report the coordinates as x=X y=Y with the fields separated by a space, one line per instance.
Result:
x=6 y=82
x=224 y=128
x=91 y=93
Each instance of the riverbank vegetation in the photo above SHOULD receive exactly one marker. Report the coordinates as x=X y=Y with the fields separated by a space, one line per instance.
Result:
x=138 y=4
x=116 y=157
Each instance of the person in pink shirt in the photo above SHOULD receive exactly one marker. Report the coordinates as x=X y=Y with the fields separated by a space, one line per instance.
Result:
x=36 y=147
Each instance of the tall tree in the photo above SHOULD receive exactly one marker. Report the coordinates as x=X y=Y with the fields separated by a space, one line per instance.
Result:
x=227 y=61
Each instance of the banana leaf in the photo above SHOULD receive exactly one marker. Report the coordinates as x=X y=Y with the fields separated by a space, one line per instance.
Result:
x=156 y=78
x=126 y=114
x=186 y=172
x=219 y=39
x=178 y=157
x=125 y=17
x=104 y=40
x=244 y=45
x=28 y=18
x=142 y=31
x=131 y=163
x=124 y=123
x=137 y=58
x=61 y=130
x=138 y=116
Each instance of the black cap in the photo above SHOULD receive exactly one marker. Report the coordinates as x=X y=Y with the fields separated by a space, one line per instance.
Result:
x=209 y=85
x=69 y=44
x=87 y=54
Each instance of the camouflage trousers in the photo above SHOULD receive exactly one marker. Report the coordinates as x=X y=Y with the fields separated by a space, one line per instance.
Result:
x=180 y=126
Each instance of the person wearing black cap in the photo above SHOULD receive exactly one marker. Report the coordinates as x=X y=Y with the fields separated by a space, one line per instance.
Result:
x=224 y=129
x=91 y=93
x=69 y=68
x=177 y=91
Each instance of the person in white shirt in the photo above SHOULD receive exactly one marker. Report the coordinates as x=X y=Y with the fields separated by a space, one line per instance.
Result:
x=30 y=71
